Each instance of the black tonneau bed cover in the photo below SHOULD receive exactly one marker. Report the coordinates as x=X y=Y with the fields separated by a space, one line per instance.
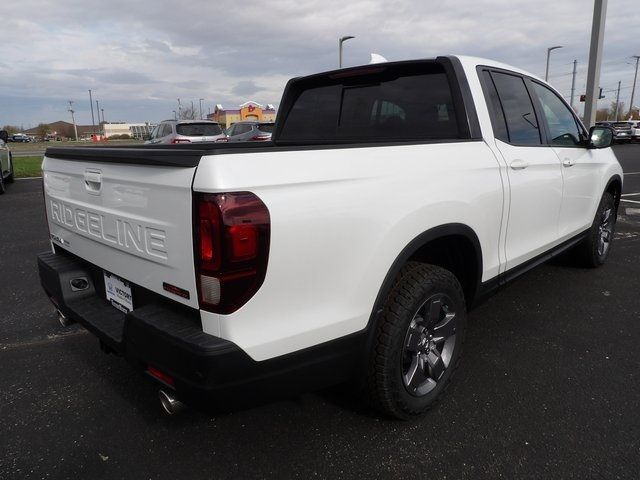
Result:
x=186 y=155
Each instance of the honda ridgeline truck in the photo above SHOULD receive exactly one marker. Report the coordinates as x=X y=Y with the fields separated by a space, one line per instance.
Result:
x=392 y=198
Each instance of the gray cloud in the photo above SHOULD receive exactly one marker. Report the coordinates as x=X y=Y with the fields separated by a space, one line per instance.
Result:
x=150 y=56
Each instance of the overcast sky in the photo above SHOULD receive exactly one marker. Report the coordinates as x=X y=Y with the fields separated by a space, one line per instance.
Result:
x=139 y=56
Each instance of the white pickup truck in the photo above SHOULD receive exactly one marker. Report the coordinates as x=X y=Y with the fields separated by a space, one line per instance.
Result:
x=392 y=199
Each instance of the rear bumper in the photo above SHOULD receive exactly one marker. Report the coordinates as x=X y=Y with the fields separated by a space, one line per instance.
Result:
x=206 y=370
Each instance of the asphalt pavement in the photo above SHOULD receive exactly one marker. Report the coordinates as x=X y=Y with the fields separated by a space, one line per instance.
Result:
x=548 y=387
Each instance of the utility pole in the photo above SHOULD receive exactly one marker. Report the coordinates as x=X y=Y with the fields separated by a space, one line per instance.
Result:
x=595 y=61
x=617 y=103
x=193 y=112
x=200 y=100
x=98 y=113
x=73 y=119
x=573 y=82
x=102 y=110
x=179 y=110
x=93 y=121
x=633 y=90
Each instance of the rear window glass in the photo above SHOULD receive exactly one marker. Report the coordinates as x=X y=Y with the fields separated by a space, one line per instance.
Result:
x=198 y=129
x=400 y=102
x=266 y=127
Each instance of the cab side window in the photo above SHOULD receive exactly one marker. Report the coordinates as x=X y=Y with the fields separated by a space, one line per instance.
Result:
x=563 y=127
x=520 y=116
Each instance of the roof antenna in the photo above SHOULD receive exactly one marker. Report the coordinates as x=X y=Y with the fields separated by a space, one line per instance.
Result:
x=376 y=58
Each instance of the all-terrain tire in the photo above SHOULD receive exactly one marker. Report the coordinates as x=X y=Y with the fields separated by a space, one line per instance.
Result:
x=594 y=249
x=424 y=301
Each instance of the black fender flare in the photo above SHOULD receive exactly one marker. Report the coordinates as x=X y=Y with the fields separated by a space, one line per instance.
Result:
x=414 y=245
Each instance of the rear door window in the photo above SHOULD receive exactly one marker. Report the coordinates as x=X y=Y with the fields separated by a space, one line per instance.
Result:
x=400 y=102
x=198 y=129
x=519 y=114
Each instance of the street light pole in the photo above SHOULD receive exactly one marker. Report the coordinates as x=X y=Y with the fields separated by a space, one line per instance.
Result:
x=341 y=40
x=200 y=100
x=93 y=120
x=546 y=73
x=633 y=90
x=175 y=115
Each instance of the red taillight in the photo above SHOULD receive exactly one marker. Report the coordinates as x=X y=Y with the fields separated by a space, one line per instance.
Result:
x=261 y=138
x=232 y=232
x=223 y=139
x=180 y=140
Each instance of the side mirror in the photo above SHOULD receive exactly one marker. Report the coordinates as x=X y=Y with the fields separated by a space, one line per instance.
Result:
x=600 y=137
x=4 y=136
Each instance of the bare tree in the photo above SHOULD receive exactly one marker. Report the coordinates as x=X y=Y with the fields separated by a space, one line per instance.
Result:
x=188 y=113
x=43 y=130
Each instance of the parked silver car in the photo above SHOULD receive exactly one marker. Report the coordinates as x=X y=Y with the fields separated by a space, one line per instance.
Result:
x=250 y=131
x=186 y=131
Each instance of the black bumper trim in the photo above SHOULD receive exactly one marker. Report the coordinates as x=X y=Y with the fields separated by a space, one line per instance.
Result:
x=206 y=369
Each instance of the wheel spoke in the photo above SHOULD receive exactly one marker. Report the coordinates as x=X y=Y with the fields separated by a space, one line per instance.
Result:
x=435 y=364
x=415 y=375
x=434 y=311
x=445 y=328
x=413 y=341
x=605 y=216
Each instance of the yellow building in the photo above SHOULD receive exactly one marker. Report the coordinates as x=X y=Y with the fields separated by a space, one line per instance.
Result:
x=247 y=111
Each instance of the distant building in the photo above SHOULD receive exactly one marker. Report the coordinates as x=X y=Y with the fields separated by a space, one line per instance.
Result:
x=62 y=129
x=134 y=130
x=247 y=111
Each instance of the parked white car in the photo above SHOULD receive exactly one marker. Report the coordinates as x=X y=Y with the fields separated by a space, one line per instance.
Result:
x=392 y=199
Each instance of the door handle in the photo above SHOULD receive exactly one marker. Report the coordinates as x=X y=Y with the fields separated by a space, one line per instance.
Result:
x=518 y=165
x=567 y=162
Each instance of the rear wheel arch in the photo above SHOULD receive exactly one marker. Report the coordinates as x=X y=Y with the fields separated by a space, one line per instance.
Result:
x=453 y=246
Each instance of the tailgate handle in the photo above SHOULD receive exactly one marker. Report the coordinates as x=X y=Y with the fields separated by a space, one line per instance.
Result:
x=93 y=181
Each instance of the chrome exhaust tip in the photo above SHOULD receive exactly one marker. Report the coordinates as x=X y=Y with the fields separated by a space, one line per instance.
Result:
x=170 y=404
x=64 y=320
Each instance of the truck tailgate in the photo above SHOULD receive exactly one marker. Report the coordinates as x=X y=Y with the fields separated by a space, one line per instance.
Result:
x=134 y=221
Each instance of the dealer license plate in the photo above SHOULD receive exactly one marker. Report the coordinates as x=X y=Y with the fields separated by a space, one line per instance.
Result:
x=118 y=292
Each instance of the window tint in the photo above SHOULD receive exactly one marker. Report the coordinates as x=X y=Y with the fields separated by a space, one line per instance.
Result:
x=166 y=130
x=407 y=102
x=520 y=116
x=241 y=128
x=495 y=109
x=563 y=128
x=198 y=129
x=266 y=127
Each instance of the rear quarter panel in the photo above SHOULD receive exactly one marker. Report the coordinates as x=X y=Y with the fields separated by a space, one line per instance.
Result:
x=339 y=219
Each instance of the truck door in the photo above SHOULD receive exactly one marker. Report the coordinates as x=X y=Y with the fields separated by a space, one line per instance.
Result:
x=580 y=165
x=533 y=170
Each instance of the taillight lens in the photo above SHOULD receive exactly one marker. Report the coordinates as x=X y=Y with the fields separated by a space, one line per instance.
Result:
x=261 y=138
x=180 y=140
x=231 y=234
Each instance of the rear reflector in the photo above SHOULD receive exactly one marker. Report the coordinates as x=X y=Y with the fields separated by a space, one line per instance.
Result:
x=163 y=377
x=180 y=140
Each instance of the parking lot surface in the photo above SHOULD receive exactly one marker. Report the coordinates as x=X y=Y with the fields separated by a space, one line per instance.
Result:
x=548 y=387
